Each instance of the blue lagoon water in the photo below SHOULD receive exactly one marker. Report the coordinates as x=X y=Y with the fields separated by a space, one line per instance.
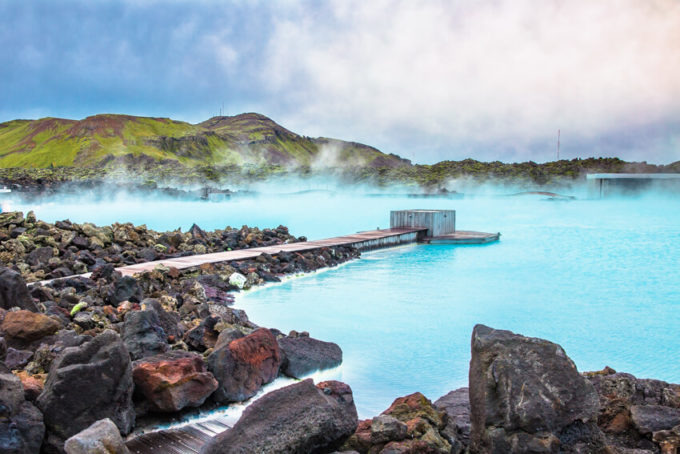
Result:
x=599 y=277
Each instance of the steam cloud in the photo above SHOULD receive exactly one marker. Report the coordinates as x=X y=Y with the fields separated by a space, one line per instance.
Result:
x=511 y=71
x=434 y=80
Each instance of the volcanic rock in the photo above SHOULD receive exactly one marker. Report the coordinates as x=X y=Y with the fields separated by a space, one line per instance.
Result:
x=456 y=404
x=102 y=437
x=410 y=425
x=622 y=396
x=143 y=334
x=14 y=292
x=87 y=383
x=527 y=396
x=652 y=418
x=33 y=384
x=304 y=355
x=174 y=380
x=21 y=424
x=306 y=419
x=17 y=359
x=386 y=428
x=203 y=336
x=169 y=321
x=28 y=326
x=244 y=365
x=125 y=289
x=40 y=256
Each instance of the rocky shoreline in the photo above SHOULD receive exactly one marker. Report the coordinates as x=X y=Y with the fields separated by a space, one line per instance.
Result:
x=82 y=349
x=85 y=360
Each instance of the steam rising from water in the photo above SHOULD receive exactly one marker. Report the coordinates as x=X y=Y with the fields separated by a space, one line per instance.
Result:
x=488 y=79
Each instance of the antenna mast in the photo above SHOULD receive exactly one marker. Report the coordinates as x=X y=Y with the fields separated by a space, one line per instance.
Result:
x=558 y=144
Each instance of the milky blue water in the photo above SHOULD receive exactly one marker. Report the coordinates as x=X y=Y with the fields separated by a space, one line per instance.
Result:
x=599 y=277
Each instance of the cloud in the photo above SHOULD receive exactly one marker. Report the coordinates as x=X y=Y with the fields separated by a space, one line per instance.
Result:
x=430 y=80
x=479 y=73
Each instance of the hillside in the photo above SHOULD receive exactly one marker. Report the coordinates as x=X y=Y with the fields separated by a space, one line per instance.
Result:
x=108 y=140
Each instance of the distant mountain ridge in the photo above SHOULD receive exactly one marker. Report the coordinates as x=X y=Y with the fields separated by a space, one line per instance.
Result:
x=108 y=139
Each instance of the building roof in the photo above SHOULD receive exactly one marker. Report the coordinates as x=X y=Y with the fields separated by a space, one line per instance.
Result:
x=633 y=176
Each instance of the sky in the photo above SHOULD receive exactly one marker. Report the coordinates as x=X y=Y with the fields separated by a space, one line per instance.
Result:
x=428 y=80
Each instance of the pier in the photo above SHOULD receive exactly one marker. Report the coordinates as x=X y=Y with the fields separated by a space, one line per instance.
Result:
x=373 y=239
x=406 y=226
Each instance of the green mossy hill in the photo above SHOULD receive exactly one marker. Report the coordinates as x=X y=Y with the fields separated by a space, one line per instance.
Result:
x=111 y=140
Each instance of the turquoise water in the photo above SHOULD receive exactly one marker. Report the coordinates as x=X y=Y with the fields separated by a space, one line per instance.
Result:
x=598 y=277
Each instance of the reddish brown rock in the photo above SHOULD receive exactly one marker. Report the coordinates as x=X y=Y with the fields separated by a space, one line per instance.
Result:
x=28 y=326
x=244 y=365
x=413 y=406
x=33 y=384
x=410 y=425
x=360 y=440
x=173 y=380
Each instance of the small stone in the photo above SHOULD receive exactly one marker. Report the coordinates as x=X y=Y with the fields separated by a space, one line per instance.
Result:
x=237 y=280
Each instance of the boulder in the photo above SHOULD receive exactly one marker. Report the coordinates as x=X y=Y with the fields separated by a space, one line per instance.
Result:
x=124 y=289
x=619 y=392
x=304 y=355
x=169 y=320
x=174 y=380
x=244 y=365
x=415 y=406
x=456 y=404
x=40 y=256
x=300 y=418
x=102 y=437
x=203 y=336
x=386 y=428
x=14 y=292
x=87 y=383
x=527 y=396
x=21 y=424
x=17 y=359
x=424 y=423
x=143 y=334
x=652 y=418
x=28 y=326
x=668 y=440
x=410 y=425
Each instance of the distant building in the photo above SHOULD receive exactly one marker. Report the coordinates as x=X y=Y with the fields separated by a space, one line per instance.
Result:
x=608 y=184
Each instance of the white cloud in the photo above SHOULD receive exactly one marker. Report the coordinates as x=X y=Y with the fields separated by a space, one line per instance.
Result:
x=478 y=72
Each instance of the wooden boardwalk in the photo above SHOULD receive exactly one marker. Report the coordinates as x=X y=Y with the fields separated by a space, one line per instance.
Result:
x=362 y=241
x=372 y=239
x=188 y=439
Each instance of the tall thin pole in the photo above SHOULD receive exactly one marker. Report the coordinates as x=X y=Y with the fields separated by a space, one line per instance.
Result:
x=558 y=144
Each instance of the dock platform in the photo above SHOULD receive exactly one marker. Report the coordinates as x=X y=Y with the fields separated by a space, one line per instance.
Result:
x=463 y=237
